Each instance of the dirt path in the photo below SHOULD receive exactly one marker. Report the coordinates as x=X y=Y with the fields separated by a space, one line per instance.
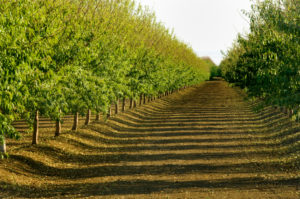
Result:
x=204 y=142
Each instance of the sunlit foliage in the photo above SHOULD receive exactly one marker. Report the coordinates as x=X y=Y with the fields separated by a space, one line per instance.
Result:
x=68 y=56
x=267 y=61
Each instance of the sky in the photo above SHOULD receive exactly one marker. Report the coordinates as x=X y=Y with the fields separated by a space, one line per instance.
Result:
x=208 y=26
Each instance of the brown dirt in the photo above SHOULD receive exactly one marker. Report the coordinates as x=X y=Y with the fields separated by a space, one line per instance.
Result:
x=203 y=142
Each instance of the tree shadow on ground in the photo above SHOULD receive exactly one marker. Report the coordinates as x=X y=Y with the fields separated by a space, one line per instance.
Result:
x=138 y=187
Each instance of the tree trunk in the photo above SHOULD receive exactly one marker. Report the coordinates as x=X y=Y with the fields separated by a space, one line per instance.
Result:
x=109 y=112
x=88 y=117
x=144 y=98
x=36 y=128
x=131 y=103
x=141 y=100
x=58 y=128
x=117 y=107
x=134 y=103
x=75 y=124
x=3 y=146
x=98 y=116
x=124 y=104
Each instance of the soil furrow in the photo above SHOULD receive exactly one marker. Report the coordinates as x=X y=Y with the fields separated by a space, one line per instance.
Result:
x=203 y=142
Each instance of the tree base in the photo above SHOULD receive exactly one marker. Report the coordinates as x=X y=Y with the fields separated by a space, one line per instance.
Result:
x=3 y=147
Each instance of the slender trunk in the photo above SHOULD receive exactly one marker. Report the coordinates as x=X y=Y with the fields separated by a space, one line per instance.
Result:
x=88 y=117
x=124 y=104
x=109 y=112
x=141 y=100
x=36 y=128
x=58 y=128
x=75 y=124
x=98 y=116
x=117 y=107
x=149 y=99
x=3 y=146
x=131 y=103
x=144 y=98
x=134 y=103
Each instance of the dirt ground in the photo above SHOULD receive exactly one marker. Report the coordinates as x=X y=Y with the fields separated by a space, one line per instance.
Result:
x=203 y=142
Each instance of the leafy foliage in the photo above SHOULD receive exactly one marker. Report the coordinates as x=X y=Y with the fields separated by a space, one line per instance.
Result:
x=267 y=61
x=66 y=56
x=215 y=71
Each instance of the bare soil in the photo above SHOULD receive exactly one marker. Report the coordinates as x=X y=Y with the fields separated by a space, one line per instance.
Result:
x=203 y=142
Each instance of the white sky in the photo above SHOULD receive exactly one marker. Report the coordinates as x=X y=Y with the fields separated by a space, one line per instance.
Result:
x=208 y=26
